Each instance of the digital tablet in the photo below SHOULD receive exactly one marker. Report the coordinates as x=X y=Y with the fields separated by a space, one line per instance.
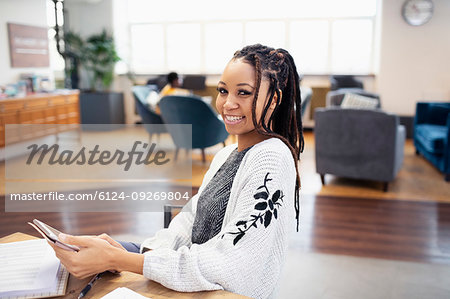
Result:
x=51 y=234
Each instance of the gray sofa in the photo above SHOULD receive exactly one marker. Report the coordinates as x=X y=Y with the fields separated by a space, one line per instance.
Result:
x=359 y=144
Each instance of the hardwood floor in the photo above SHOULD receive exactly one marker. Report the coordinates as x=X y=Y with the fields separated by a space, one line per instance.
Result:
x=398 y=230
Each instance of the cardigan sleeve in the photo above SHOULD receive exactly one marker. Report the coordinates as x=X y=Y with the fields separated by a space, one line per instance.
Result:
x=179 y=232
x=247 y=255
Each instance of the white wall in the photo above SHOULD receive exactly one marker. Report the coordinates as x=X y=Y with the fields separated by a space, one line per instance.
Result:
x=414 y=61
x=23 y=12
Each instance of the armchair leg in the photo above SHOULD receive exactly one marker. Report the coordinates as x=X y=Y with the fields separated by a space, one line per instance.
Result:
x=447 y=177
x=385 y=186
x=224 y=144
x=417 y=152
x=322 y=178
x=176 y=153
x=203 y=155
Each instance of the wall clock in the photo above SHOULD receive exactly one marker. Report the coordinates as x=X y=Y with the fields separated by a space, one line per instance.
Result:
x=417 y=12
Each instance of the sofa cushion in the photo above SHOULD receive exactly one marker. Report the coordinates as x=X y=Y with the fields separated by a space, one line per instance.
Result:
x=432 y=137
x=438 y=113
x=357 y=101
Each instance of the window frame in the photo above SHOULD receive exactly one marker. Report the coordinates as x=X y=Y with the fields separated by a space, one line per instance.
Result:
x=203 y=69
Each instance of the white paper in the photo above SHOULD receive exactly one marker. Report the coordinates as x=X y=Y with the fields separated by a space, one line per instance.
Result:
x=123 y=293
x=27 y=265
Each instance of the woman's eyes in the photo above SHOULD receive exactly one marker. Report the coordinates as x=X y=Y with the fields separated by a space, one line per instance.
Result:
x=244 y=92
x=221 y=90
x=240 y=92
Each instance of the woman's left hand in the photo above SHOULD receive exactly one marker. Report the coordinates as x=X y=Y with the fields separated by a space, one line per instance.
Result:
x=96 y=255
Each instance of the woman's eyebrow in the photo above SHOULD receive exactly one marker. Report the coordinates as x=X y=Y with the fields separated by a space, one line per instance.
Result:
x=221 y=82
x=241 y=84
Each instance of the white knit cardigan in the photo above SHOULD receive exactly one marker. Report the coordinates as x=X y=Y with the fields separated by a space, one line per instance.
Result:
x=247 y=256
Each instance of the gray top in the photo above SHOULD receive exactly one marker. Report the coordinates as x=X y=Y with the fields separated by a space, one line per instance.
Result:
x=213 y=201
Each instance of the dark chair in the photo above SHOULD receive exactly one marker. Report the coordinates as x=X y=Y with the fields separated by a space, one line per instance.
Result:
x=335 y=97
x=345 y=81
x=152 y=122
x=359 y=144
x=158 y=81
x=207 y=128
x=194 y=82
x=432 y=134
x=170 y=211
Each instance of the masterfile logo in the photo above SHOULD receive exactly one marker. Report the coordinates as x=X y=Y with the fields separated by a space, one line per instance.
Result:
x=88 y=168
x=141 y=153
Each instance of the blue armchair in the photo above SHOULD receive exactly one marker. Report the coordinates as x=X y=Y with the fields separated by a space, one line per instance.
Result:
x=207 y=128
x=152 y=122
x=432 y=134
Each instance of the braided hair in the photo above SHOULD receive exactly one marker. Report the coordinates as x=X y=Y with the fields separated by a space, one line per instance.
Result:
x=285 y=123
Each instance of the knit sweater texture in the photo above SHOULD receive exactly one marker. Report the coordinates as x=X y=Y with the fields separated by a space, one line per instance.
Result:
x=247 y=255
x=213 y=200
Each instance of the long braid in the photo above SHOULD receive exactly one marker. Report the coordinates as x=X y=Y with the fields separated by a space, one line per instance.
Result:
x=258 y=84
x=279 y=68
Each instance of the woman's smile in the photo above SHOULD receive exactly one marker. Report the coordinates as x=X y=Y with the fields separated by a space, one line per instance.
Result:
x=233 y=119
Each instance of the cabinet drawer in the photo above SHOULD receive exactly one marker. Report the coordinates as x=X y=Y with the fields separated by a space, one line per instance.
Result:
x=56 y=101
x=11 y=106
x=9 y=118
x=36 y=104
x=71 y=99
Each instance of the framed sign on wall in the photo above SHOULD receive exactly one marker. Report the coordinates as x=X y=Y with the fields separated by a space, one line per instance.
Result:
x=28 y=46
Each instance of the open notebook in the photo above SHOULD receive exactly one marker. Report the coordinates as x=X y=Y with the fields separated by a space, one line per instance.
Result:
x=30 y=269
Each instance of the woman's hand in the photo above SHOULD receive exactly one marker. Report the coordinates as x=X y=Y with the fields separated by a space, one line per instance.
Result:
x=111 y=241
x=97 y=254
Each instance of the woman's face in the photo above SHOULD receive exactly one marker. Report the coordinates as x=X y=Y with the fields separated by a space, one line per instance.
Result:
x=236 y=92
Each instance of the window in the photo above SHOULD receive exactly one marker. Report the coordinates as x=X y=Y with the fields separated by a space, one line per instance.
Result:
x=309 y=45
x=200 y=36
x=351 y=46
x=144 y=54
x=271 y=33
x=184 y=47
x=220 y=44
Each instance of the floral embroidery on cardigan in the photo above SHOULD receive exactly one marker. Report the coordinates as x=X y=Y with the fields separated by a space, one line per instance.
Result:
x=266 y=207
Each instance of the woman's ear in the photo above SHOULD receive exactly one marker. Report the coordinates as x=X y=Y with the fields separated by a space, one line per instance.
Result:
x=275 y=99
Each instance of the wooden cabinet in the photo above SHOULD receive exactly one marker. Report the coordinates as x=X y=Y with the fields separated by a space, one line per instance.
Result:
x=56 y=109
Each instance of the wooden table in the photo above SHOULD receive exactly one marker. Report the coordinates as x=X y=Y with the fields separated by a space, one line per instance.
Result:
x=135 y=282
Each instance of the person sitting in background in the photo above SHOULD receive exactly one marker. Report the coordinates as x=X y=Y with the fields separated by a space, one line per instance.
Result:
x=173 y=87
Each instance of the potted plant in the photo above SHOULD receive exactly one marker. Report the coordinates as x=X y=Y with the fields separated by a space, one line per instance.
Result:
x=97 y=56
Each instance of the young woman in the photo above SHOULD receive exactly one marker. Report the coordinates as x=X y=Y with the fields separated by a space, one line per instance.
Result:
x=233 y=234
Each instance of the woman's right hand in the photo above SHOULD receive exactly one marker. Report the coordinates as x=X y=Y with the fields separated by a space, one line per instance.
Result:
x=111 y=241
